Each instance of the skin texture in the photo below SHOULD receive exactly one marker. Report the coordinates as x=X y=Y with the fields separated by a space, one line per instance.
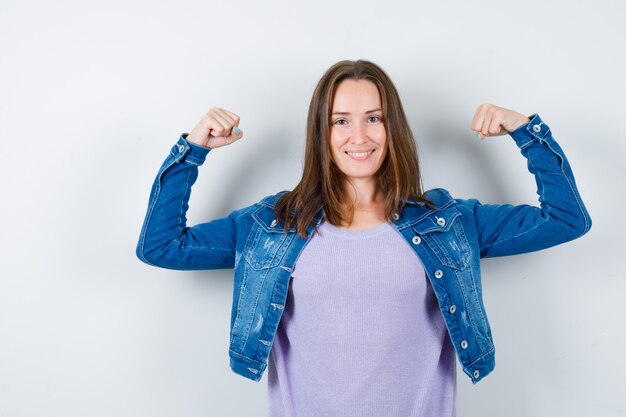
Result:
x=358 y=126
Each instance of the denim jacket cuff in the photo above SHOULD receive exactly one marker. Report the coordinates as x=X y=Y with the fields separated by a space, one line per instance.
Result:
x=534 y=130
x=184 y=151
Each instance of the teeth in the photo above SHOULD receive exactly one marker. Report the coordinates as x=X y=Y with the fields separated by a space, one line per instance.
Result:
x=359 y=154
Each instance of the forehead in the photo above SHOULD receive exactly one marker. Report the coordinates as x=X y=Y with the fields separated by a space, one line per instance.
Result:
x=353 y=96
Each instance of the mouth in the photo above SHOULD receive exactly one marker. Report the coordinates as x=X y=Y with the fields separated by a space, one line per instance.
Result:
x=360 y=156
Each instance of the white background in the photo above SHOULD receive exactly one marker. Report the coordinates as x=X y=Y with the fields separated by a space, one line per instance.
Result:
x=94 y=94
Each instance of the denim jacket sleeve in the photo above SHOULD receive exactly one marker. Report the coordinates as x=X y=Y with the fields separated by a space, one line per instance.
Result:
x=508 y=230
x=165 y=240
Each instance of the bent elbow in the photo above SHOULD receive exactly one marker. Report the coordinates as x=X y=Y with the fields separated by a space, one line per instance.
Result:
x=585 y=225
x=574 y=230
x=161 y=255
x=142 y=255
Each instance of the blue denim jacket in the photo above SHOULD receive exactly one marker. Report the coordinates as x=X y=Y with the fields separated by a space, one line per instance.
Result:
x=449 y=239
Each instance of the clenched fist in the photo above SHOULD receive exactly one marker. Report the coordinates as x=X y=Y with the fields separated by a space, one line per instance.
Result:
x=490 y=120
x=218 y=127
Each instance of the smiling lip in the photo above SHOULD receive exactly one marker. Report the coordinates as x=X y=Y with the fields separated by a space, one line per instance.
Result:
x=360 y=156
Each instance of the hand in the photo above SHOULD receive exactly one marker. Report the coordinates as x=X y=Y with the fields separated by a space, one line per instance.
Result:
x=490 y=120
x=215 y=129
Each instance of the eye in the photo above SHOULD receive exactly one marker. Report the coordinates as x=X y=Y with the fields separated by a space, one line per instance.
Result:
x=374 y=119
x=340 y=122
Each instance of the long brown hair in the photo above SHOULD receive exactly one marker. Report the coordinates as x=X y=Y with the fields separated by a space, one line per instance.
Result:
x=322 y=184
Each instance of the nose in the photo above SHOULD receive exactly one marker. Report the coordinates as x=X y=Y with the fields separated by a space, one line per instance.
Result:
x=359 y=135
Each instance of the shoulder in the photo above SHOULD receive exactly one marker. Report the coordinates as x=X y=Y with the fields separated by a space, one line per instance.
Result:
x=270 y=200
x=266 y=204
x=261 y=211
x=443 y=198
x=440 y=197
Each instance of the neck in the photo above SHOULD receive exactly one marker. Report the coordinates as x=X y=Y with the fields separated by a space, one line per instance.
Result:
x=363 y=193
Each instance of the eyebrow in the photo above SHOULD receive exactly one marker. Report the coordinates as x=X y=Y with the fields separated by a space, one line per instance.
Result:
x=347 y=112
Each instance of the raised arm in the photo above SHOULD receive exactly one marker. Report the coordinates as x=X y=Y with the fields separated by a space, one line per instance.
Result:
x=165 y=240
x=504 y=229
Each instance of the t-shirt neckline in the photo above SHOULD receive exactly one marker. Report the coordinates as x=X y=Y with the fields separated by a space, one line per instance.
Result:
x=342 y=231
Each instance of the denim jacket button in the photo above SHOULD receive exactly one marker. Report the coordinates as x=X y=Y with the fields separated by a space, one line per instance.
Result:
x=537 y=128
x=452 y=309
x=181 y=148
x=441 y=221
x=476 y=374
x=464 y=344
x=274 y=223
x=438 y=273
x=416 y=240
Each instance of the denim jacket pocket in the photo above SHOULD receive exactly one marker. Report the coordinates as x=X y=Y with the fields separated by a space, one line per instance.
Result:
x=267 y=242
x=444 y=233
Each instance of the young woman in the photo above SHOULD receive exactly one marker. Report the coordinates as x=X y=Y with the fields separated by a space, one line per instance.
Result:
x=357 y=288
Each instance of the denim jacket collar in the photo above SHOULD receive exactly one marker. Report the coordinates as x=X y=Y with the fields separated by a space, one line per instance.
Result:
x=412 y=213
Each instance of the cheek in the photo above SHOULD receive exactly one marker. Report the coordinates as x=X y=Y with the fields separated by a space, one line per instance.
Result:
x=381 y=139
x=336 y=140
x=381 y=136
x=334 y=147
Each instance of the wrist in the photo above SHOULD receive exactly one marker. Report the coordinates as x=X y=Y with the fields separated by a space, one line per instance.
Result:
x=193 y=141
x=521 y=121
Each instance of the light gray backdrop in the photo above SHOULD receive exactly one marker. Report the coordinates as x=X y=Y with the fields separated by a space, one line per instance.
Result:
x=94 y=94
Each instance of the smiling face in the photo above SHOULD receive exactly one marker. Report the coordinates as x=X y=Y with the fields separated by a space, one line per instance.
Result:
x=358 y=140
